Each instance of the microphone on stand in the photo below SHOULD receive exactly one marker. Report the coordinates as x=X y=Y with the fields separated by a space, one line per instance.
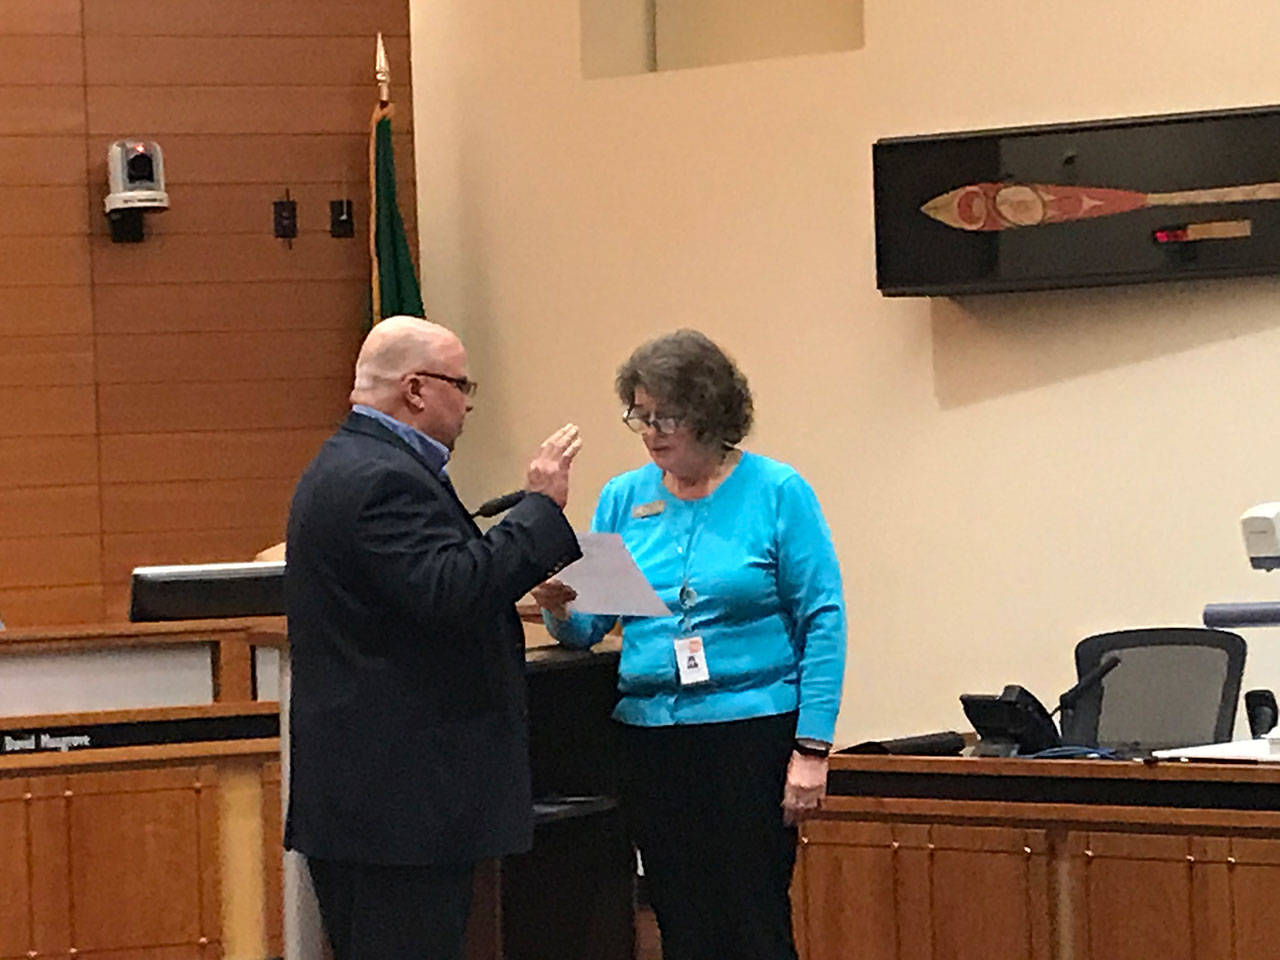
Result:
x=491 y=508
x=1088 y=682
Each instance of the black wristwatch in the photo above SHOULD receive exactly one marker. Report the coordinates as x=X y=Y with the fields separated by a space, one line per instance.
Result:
x=813 y=748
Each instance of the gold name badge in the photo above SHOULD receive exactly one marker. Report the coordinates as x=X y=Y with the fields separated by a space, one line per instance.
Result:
x=651 y=509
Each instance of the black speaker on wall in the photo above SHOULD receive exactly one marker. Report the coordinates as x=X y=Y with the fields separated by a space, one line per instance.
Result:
x=1132 y=200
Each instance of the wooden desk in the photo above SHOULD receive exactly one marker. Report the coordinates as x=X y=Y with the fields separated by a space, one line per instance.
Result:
x=958 y=858
x=97 y=836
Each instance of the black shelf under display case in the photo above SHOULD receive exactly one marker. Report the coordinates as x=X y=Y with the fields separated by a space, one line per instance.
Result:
x=1134 y=200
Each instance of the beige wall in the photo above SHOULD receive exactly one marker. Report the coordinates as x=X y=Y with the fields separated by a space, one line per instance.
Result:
x=697 y=33
x=1003 y=474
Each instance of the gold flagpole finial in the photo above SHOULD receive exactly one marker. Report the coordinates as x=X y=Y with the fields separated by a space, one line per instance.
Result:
x=382 y=72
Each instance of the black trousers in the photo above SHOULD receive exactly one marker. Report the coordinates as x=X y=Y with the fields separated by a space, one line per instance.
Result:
x=703 y=804
x=374 y=912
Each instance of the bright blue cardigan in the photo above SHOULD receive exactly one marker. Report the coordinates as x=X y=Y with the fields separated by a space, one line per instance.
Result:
x=750 y=569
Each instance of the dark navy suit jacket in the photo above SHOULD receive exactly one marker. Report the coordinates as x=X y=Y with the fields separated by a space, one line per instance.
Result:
x=408 y=724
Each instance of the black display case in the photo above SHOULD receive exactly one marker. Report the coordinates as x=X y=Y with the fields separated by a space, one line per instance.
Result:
x=1133 y=200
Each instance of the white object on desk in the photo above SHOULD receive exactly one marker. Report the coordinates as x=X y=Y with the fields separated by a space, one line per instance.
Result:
x=607 y=580
x=1266 y=749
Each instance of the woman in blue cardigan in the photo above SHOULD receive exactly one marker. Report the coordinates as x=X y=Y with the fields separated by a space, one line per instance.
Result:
x=728 y=704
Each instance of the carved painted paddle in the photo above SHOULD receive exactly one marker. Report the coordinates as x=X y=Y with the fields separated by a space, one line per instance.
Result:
x=1003 y=206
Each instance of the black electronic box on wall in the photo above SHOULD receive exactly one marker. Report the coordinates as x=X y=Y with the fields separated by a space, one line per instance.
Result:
x=1079 y=204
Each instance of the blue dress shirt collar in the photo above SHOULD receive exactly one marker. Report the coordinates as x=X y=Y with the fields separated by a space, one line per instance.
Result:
x=429 y=448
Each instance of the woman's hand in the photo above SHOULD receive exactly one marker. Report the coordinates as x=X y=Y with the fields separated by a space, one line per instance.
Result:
x=555 y=597
x=806 y=785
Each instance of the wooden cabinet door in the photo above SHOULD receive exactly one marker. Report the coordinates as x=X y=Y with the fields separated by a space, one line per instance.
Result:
x=1253 y=885
x=846 y=894
x=1172 y=897
x=1130 y=896
x=924 y=892
x=113 y=863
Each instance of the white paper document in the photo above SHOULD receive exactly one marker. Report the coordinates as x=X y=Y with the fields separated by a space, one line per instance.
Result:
x=607 y=580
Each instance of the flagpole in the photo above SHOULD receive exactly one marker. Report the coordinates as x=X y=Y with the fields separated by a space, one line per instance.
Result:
x=395 y=288
x=382 y=74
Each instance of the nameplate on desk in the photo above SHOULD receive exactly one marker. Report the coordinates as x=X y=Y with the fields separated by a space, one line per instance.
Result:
x=143 y=733
x=41 y=742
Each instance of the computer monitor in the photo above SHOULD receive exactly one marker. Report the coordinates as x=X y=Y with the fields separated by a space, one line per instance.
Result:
x=202 y=591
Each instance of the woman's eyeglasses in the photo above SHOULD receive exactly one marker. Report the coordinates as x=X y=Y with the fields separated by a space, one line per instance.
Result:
x=637 y=421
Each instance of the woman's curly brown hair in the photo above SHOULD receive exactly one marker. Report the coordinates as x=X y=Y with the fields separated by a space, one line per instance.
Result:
x=689 y=376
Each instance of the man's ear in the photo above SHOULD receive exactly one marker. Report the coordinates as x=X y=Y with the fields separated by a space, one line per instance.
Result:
x=411 y=393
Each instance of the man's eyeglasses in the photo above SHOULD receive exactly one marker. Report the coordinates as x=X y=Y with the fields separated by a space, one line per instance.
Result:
x=637 y=421
x=467 y=386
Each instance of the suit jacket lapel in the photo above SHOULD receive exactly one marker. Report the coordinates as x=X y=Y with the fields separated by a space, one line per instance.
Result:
x=372 y=428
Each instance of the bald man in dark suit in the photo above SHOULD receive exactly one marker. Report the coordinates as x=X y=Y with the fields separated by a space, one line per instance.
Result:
x=409 y=742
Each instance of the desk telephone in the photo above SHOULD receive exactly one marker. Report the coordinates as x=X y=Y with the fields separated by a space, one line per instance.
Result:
x=1015 y=722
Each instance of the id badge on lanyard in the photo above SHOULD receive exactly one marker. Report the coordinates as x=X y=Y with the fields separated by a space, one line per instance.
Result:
x=691 y=661
x=691 y=655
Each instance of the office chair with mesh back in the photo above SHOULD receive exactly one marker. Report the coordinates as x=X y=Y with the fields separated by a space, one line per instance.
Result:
x=1174 y=687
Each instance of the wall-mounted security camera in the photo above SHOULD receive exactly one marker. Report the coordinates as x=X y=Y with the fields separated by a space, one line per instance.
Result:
x=135 y=177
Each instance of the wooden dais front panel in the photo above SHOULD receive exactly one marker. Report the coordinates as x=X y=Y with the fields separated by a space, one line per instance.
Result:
x=117 y=861
x=959 y=858
x=910 y=890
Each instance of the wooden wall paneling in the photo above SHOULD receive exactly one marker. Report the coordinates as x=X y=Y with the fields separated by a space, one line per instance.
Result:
x=228 y=258
x=272 y=158
x=1135 y=897
x=47 y=461
x=115 y=602
x=990 y=892
x=55 y=210
x=196 y=505
x=40 y=606
x=46 y=310
x=42 y=161
x=246 y=18
x=42 y=111
x=248 y=405
x=49 y=511
x=15 y=839
x=226 y=110
x=850 y=870
x=44 y=60
x=122 y=552
x=1253 y=877
x=247 y=208
x=225 y=455
x=273 y=856
x=246 y=99
x=50 y=866
x=46 y=361
x=46 y=411
x=48 y=17
x=249 y=355
x=238 y=60
x=137 y=838
x=38 y=261
x=228 y=306
x=48 y=561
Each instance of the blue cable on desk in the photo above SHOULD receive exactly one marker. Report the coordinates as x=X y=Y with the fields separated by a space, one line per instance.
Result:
x=1067 y=753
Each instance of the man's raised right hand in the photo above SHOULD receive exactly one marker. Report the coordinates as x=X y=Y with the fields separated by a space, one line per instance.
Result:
x=549 y=470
